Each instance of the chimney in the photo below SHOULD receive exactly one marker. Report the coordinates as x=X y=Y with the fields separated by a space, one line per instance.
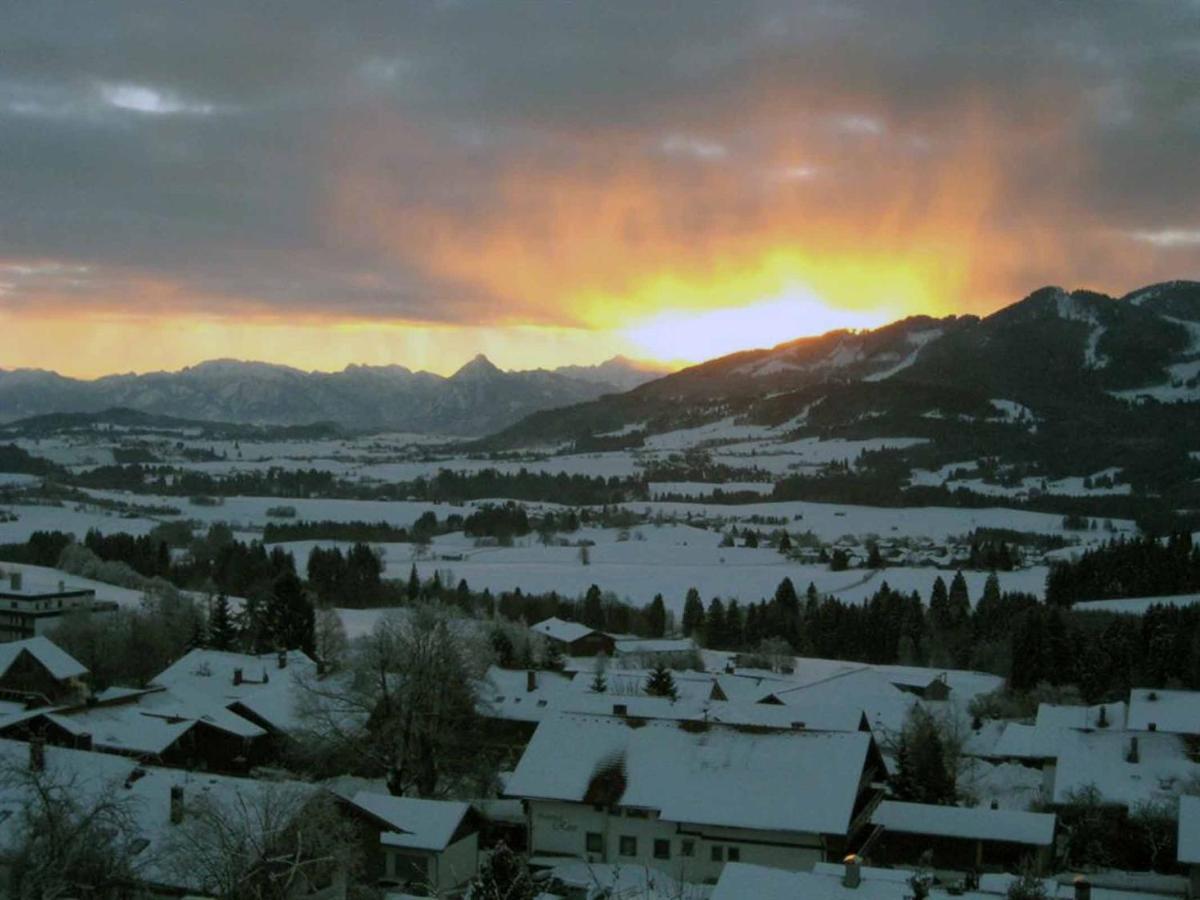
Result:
x=281 y=658
x=620 y=709
x=1083 y=888
x=995 y=804
x=83 y=741
x=237 y=676
x=15 y=580
x=530 y=681
x=1133 y=756
x=62 y=586
x=853 y=874
x=37 y=753
x=176 y=804
x=1152 y=726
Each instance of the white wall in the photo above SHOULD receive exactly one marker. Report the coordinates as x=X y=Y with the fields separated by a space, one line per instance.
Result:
x=561 y=828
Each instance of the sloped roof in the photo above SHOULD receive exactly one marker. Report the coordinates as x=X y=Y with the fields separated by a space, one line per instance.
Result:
x=1050 y=715
x=1100 y=758
x=418 y=824
x=1177 y=712
x=976 y=823
x=206 y=676
x=93 y=775
x=718 y=775
x=561 y=630
x=58 y=662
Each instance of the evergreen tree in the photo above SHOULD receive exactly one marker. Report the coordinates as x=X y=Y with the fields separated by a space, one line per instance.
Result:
x=785 y=544
x=290 y=615
x=414 y=584
x=991 y=590
x=592 y=614
x=656 y=617
x=715 y=634
x=503 y=875
x=960 y=601
x=661 y=683
x=599 y=681
x=693 y=613
x=222 y=633
x=939 y=604
x=553 y=659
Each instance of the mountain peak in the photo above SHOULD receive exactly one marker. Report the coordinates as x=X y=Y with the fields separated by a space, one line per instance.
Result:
x=479 y=367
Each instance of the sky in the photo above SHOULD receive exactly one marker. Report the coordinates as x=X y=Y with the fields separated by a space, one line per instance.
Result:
x=320 y=184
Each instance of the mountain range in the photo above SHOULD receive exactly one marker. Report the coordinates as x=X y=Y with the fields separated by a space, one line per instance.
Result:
x=1067 y=358
x=477 y=399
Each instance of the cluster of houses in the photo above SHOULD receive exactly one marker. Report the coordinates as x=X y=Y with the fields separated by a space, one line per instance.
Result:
x=750 y=783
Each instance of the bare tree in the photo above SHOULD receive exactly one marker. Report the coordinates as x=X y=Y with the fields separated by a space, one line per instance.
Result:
x=68 y=838
x=332 y=646
x=265 y=843
x=406 y=707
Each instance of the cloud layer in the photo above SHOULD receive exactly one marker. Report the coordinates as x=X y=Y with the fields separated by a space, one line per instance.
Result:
x=586 y=166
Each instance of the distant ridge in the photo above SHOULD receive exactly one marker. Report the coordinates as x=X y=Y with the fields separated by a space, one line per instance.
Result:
x=477 y=399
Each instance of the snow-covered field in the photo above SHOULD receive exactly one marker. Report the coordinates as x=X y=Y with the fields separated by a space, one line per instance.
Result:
x=667 y=560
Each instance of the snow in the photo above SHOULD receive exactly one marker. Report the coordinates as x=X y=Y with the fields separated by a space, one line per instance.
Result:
x=1101 y=759
x=918 y=339
x=1174 y=712
x=1137 y=605
x=1189 y=830
x=707 y=489
x=60 y=664
x=558 y=630
x=723 y=430
x=788 y=781
x=414 y=823
x=979 y=823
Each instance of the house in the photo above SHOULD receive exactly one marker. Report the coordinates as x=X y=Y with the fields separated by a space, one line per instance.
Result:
x=1175 y=712
x=685 y=797
x=431 y=846
x=961 y=838
x=36 y=671
x=863 y=688
x=164 y=809
x=266 y=689
x=648 y=652
x=152 y=725
x=575 y=639
x=32 y=608
x=1125 y=769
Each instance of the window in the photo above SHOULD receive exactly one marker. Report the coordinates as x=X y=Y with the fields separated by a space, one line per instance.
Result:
x=595 y=842
x=628 y=845
x=734 y=854
x=687 y=847
x=662 y=848
x=718 y=853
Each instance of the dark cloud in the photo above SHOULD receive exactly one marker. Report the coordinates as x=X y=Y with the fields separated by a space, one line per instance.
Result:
x=210 y=145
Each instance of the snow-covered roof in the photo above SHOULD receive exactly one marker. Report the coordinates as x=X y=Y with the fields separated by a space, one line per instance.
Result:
x=1101 y=758
x=1050 y=715
x=975 y=823
x=147 y=795
x=718 y=775
x=505 y=694
x=560 y=630
x=654 y=645
x=885 y=705
x=1177 y=712
x=1189 y=829
x=414 y=823
x=267 y=691
x=1018 y=741
x=58 y=662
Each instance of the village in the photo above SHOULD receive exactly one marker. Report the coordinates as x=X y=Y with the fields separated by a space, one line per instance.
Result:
x=628 y=771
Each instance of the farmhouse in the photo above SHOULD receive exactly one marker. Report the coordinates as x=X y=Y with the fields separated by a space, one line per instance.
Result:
x=35 y=671
x=575 y=639
x=686 y=797
x=426 y=845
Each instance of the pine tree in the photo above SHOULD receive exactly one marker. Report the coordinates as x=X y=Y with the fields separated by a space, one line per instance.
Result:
x=939 y=605
x=656 y=617
x=553 y=657
x=661 y=683
x=291 y=619
x=414 y=584
x=592 y=614
x=960 y=601
x=715 y=634
x=693 y=613
x=599 y=681
x=785 y=544
x=222 y=634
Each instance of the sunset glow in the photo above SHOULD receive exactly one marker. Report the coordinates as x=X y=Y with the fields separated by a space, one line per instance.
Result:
x=720 y=182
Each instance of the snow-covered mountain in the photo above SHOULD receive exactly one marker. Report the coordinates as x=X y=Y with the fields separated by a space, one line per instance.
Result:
x=477 y=399
x=1063 y=355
